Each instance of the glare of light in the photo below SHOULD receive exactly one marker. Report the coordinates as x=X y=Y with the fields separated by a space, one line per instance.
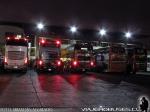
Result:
x=102 y=32
x=42 y=41
x=40 y=62
x=25 y=39
x=58 y=63
x=73 y=29
x=40 y=26
x=75 y=63
x=58 y=42
x=128 y=34
x=18 y=36
x=8 y=38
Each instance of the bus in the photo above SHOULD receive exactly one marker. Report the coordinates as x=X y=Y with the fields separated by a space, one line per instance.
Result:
x=111 y=58
x=81 y=57
x=48 y=54
x=16 y=53
x=137 y=60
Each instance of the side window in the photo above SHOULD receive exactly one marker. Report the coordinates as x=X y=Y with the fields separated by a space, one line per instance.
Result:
x=98 y=57
x=118 y=50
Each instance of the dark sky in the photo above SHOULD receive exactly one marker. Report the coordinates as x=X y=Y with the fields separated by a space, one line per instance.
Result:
x=113 y=14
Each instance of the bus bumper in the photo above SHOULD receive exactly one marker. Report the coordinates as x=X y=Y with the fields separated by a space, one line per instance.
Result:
x=15 y=67
x=80 y=68
x=49 y=68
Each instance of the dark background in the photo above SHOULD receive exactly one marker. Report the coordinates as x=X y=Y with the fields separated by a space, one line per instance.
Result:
x=115 y=15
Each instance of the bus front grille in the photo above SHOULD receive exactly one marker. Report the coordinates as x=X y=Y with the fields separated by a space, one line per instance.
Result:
x=16 y=55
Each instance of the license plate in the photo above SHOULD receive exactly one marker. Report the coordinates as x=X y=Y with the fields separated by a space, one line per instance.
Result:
x=15 y=66
x=49 y=69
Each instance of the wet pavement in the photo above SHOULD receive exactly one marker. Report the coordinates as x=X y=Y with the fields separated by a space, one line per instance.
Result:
x=70 y=92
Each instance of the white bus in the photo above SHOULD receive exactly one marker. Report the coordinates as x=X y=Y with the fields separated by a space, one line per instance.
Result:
x=16 y=54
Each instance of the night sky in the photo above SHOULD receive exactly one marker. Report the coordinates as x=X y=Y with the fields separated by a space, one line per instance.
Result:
x=112 y=14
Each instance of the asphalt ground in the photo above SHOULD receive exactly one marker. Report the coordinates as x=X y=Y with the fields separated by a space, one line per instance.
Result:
x=72 y=92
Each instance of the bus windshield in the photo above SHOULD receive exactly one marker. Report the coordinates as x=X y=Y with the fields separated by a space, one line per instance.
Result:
x=139 y=51
x=16 y=42
x=52 y=45
x=50 y=55
x=118 y=50
x=86 y=47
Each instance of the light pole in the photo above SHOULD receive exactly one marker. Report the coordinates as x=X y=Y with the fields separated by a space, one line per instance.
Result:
x=102 y=32
x=128 y=35
x=73 y=30
x=40 y=27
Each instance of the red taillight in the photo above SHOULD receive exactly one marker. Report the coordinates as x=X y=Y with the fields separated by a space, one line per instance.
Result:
x=75 y=63
x=58 y=42
x=42 y=41
x=25 y=39
x=8 y=38
x=40 y=62
x=59 y=63
x=92 y=63
x=26 y=61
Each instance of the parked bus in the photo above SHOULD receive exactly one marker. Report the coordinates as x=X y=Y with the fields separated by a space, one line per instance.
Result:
x=16 y=53
x=137 y=59
x=81 y=57
x=111 y=58
x=48 y=54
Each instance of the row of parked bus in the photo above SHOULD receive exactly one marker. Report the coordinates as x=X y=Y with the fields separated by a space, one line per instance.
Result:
x=121 y=58
x=16 y=54
x=80 y=56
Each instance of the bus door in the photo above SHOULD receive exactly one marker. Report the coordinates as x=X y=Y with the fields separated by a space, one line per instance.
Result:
x=102 y=60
